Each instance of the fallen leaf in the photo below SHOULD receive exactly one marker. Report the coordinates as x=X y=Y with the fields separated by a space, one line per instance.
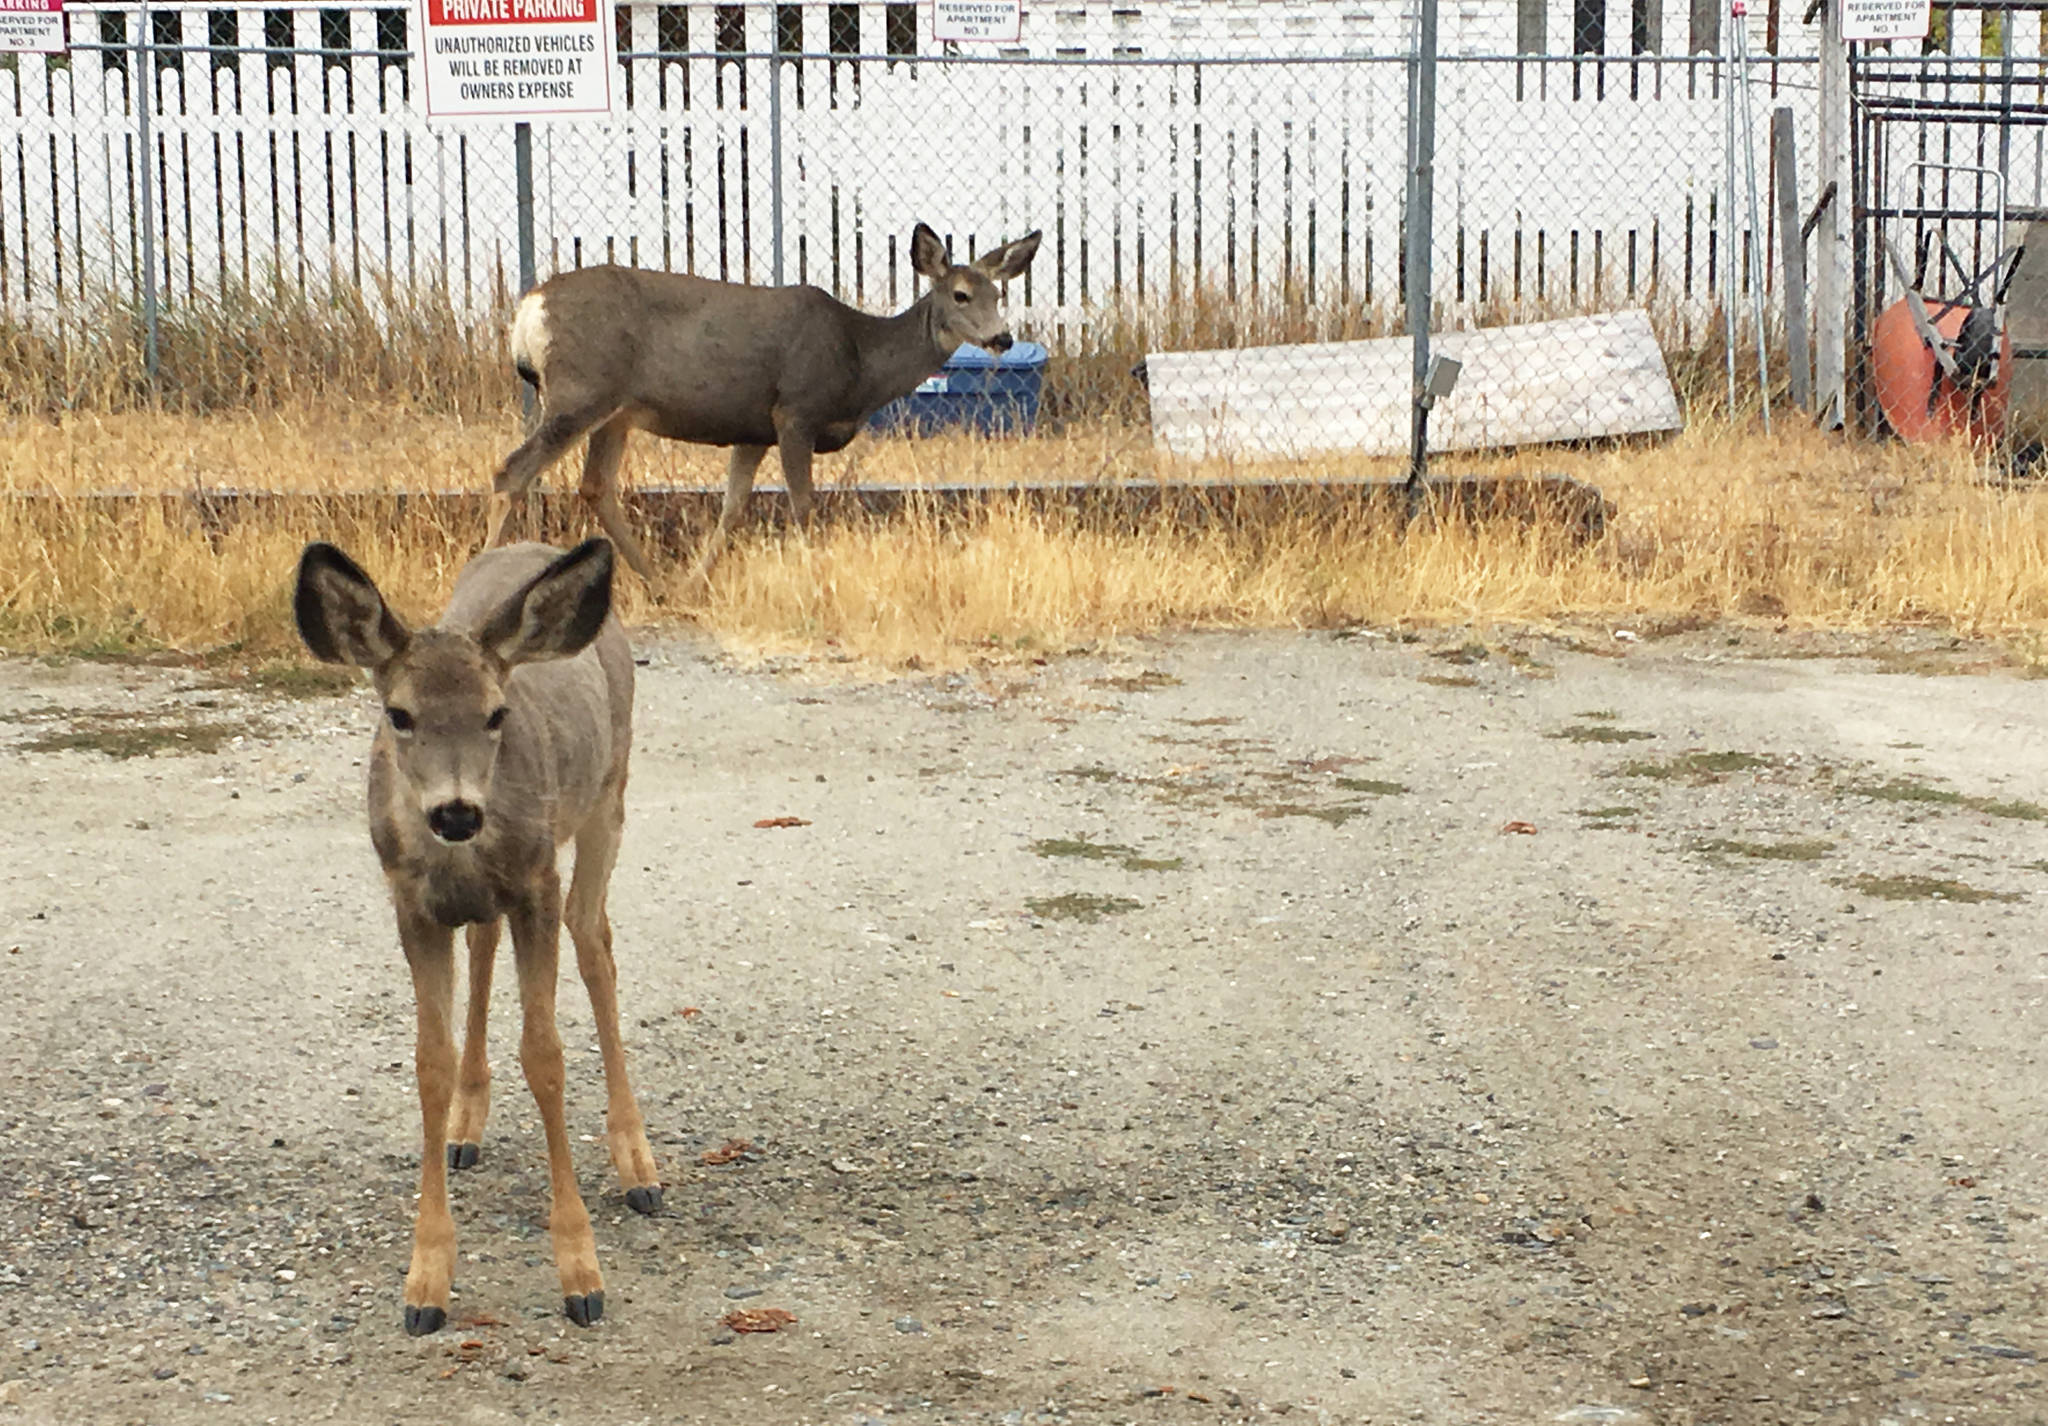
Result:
x=732 y=1149
x=1526 y=829
x=782 y=822
x=758 y=1319
x=478 y=1319
x=689 y=1012
x=1964 y=1182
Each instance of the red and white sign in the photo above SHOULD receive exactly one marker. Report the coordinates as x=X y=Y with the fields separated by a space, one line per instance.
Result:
x=516 y=59
x=999 y=21
x=31 y=26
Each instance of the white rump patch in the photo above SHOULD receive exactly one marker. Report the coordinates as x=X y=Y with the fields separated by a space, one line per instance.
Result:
x=530 y=332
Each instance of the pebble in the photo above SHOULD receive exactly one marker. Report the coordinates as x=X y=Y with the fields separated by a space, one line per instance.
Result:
x=909 y=1325
x=2011 y=1354
x=737 y=1293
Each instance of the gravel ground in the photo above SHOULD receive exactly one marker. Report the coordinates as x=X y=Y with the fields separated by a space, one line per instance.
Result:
x=1175 y=1036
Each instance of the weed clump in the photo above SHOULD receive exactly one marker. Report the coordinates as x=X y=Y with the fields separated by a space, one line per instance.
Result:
x=1080 y=906
x=1910 y=790
x=1699 y=767
x=1794 y=850
x=1600 y=733
x=1921 y=888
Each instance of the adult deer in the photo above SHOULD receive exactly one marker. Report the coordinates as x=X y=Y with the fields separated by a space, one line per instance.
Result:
x=721 y=364
x=504 y=734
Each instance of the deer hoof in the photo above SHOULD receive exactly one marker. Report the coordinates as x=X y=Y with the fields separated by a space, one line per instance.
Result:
x=423 y=1321
x=644 y=1200
x=586 y=1310
x=463 y=1156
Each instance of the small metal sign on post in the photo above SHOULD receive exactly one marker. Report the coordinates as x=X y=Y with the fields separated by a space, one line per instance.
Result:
x=31 y=26
x=996 y=21
x=516 y=59
x=1885 y=19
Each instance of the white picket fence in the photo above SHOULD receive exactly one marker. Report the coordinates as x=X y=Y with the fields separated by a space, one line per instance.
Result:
x=293 y=148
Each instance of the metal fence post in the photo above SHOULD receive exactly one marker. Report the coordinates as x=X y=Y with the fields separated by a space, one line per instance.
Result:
x=1792 y=248
x=144 y=88
x=775 y=150
x=1420 y=233
x=522 y=169
x=1831 y=276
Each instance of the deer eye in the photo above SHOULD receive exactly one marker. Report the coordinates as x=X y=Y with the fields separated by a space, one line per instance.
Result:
x=497 y=719
x=960 y=297
x=399 y=719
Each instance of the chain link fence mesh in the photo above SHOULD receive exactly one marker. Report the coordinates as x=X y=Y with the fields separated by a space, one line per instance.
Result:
x=1218 y=176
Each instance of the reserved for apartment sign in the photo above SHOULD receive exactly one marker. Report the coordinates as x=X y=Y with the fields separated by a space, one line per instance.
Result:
x=516 y=59
x=1885 y=19
x=1001 y=21
x=31 y=26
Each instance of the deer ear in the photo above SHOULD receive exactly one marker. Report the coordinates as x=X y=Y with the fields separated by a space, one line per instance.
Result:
x=555 y=614
x=340 y=614
x=927 y=254
x=1010 y=259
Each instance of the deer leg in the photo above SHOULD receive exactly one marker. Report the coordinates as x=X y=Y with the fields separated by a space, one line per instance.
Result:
x=739 y=487
x=473 y=1082
x=796 y=474
x=430 y=951
x=536 y=949
x=601 y=488
x=597 y=848
x=554 y=435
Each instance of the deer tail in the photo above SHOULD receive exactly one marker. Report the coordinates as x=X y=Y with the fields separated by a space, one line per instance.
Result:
x=530 y=338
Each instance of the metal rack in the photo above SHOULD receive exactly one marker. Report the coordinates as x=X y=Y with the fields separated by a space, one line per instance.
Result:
x=1946 y=151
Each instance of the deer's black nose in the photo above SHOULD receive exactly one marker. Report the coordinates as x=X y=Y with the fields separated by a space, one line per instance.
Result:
x=1000 y=343
x=455 y=821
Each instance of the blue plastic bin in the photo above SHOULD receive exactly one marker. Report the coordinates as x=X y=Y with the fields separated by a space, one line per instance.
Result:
x=977 y=390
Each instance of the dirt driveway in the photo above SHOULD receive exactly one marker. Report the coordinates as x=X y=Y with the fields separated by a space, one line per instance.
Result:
x=1178 y=1037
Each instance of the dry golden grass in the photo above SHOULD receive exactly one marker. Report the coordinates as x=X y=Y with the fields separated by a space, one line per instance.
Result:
x=271 y=345
x=1801 y=528
x=278 y=344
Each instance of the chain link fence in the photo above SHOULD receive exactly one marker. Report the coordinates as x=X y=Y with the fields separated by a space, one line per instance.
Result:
x=271 y=211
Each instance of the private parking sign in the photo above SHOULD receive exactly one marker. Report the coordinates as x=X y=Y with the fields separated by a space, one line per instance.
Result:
x=516 y=59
